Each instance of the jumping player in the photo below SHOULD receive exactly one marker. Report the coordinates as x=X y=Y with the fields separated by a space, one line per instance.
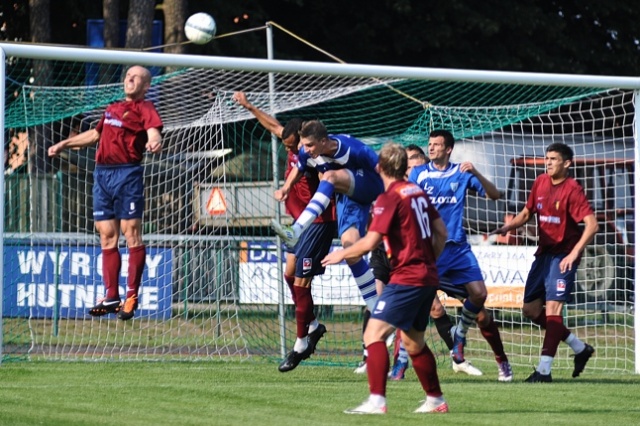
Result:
x=126 y=130
x=347 y=168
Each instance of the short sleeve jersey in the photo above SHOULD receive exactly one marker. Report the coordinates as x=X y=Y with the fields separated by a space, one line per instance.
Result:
x=303 y=190
x=447 y=190
x=123 y=131
x=559 y=209
x=403 y=215
x=351 y=154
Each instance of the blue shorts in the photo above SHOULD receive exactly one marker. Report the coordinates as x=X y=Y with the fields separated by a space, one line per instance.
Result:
x=351 y=214
x=546 y=282
x=118 y=192
x=314 y=244
x=404 y=306
x=366 y=186
x=457 y=265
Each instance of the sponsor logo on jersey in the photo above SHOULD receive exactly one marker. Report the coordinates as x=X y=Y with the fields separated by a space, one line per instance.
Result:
x=443 y=200
x=550 y=219
x=113 y=122
x=408 y=190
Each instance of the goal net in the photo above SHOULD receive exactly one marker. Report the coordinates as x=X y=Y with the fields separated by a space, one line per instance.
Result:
x=212 y=286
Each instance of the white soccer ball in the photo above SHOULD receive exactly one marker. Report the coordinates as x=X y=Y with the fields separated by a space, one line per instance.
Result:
x=200 y=28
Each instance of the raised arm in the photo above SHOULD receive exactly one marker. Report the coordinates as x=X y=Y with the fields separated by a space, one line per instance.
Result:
x=268 y=122
x=489 y=187
x=87 y=138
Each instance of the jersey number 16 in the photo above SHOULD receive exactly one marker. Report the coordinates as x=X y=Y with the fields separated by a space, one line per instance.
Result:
x=419 y=206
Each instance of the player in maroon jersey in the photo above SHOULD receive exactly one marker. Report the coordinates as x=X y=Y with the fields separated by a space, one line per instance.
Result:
x=560 y=204
x=414 y=235
x=127 y=129
x=303 y=261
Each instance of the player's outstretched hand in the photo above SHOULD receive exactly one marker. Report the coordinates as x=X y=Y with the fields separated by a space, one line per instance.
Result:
x=333 y=258
x=280 y=195
x=502 y=231
x=54 y=150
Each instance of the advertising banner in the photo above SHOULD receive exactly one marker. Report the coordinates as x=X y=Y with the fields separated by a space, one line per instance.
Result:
x=504 y=268
x=43 y=281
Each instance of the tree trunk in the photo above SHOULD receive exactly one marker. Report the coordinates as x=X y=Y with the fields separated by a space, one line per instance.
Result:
x=175 y=15
x=111 y=36
x=139 y=24
x=111 y=16
x=40 y=28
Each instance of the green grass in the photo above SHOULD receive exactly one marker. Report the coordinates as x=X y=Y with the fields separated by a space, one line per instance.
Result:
x=254 y=392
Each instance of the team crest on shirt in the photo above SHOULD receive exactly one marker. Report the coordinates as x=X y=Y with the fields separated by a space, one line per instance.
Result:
x=539 y=206
x=307 y=263
x=454 y=186
x=557 y=205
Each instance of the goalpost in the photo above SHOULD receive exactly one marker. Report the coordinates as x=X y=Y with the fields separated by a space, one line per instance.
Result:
x=212 y=287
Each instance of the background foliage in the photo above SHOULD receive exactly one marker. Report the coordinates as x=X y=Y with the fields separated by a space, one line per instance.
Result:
x=565 y=36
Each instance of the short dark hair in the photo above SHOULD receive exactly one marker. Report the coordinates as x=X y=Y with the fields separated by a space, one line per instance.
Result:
x=292 y=127
x=313 y=129
x=414 y=147
x=562 y=149
x=448 y=137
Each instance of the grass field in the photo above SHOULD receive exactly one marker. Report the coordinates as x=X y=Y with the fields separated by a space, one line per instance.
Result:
x=254 y=392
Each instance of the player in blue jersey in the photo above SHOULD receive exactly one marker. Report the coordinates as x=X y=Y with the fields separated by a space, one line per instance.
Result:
x=347 y=168
x=447 y=184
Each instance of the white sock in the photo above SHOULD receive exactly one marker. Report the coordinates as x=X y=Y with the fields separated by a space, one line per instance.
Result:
x=545 y=365
x=313 y=325
x=403 y=355
x=574 y=343
x=300 y=345
x=433 y=400
x=377 y=400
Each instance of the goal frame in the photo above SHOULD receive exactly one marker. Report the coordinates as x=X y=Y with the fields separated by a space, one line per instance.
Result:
x=49 y=52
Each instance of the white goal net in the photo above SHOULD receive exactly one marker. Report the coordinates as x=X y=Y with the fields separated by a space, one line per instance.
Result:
x=211 y=287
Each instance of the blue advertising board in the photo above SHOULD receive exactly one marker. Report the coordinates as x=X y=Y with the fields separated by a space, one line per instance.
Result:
x=47 y=281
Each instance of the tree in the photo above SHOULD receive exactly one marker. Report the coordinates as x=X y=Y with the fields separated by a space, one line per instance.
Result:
x=140 y=24
x=175 y=15
x=111 y=17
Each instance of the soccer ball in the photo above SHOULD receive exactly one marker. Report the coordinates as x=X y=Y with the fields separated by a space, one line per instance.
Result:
x=200 y=28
